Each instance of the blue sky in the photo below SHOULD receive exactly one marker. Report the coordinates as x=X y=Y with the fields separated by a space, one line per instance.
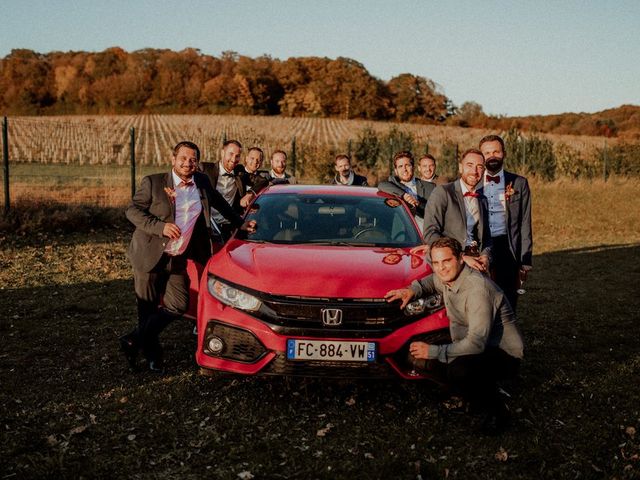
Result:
x=514 y=58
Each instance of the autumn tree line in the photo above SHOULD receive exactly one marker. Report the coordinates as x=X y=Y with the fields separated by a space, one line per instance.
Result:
x=163 y=81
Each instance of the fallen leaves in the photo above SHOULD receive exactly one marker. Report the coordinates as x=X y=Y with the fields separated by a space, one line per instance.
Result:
x=501 y=455
x=323 y=431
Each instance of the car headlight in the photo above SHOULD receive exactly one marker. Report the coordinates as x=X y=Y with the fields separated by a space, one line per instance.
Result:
x=232 y=296
x=423 y=305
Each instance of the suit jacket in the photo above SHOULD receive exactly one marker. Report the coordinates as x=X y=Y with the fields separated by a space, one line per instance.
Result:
x=151 y=208
x=395 y=187
x=212 y=169
x=358 y=180
x=446 y=216
x=256 y=181
x=518 y=214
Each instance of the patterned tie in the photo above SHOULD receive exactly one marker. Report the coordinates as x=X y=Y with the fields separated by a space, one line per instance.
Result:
x=471 y=204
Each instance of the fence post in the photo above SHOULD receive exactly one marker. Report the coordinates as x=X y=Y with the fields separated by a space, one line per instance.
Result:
x=5 y=156
x=604 y=154
x=132 y=134
x=293 y=156
x=524 y=155
x=426 y=148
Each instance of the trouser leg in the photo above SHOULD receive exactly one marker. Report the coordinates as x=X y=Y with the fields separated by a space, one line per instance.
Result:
x=505 y=271
x=476 y=376
x=175 y=303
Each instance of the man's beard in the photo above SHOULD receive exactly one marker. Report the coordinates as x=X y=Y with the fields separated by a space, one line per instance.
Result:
x=493 y=164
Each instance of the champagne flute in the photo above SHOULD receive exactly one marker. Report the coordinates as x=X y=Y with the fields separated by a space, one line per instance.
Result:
x=522 y=275
x=413 y=372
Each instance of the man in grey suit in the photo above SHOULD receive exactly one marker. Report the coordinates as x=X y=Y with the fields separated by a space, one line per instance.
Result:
x=230 y=180
x=459 y=211
x=171 y=214
x=509 y=201
x=414 y=191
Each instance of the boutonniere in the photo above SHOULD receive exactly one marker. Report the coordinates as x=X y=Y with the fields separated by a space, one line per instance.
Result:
x=171 y=193
x=509 y=191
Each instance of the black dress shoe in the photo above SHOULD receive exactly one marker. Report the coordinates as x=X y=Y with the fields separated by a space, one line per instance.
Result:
x=130 y=350
x=156 y=366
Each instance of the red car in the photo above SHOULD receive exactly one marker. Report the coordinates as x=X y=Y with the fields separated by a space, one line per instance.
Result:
x=304 y=294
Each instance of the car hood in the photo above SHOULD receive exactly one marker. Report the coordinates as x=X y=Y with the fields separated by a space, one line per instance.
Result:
x=317 y=271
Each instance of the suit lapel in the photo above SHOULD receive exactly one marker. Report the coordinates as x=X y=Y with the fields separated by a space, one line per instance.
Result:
x=509 y=178
x=459 y=198
x=204 y=199
x=168 y=182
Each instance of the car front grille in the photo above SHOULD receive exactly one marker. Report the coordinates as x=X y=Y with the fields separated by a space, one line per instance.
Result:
x=371 y=318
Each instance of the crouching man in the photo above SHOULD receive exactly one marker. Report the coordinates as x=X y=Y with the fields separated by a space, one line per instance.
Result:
x=486 y=342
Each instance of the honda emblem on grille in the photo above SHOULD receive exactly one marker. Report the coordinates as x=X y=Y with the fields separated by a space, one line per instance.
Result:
x=331 y=317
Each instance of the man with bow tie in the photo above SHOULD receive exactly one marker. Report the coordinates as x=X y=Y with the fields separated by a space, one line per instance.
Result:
x=509 y=201
x=457 y=210
x=171 y=214
x=228 y=178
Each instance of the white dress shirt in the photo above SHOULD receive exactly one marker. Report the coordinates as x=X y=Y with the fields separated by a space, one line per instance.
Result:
x=188 y=208
x=472 y=211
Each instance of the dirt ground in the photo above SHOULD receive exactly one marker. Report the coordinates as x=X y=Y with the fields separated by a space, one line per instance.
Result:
x=71 y=409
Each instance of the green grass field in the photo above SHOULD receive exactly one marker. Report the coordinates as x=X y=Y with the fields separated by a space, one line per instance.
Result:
x=72 y=410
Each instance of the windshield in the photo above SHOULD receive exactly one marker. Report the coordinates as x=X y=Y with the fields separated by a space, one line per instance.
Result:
x=332 y=220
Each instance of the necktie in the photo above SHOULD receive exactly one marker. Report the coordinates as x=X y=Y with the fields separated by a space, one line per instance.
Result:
x=495 y=179
x=471 y=204
x=228 y=174
x=185 y=184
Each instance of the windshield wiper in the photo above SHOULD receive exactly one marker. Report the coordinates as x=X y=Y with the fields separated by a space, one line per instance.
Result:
x=340 y=243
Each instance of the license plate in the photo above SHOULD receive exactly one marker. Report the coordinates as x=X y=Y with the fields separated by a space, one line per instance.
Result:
x=331 y=350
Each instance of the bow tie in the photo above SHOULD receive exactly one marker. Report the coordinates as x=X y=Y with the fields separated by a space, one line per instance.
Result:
x=495 y=179
x=228 y=174
x=471 y=194
x=185 y=184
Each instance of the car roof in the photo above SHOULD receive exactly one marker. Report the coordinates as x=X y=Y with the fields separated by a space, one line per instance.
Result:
x=347 y=190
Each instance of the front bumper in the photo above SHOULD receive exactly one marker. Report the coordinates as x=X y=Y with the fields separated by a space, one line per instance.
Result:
x=252 y=346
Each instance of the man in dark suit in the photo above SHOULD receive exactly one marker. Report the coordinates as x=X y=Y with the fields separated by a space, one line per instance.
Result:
x=427 y=168
x=345 y=174
x=404 y=184
x=509 y=201
x=228 y=178
x=458 y=211
x=170 y=213
x=254 y=178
